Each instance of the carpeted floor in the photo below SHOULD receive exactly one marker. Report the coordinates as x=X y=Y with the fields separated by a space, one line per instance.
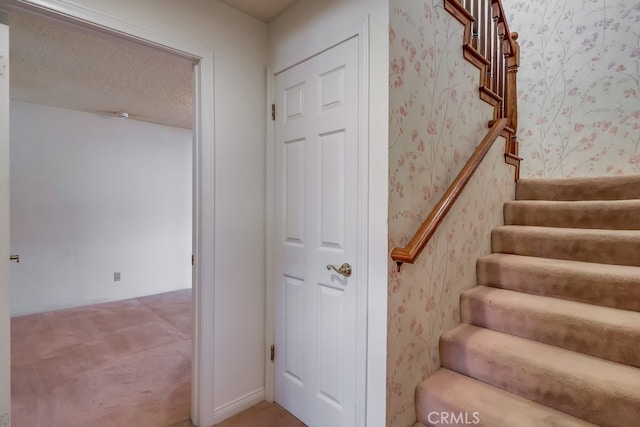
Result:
x=126 y=363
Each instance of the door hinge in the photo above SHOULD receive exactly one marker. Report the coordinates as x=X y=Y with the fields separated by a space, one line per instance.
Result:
x=273 y=111
x=193 y=260
x=273 y=353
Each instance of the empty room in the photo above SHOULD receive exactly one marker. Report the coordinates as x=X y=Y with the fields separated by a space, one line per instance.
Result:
x=101 y=229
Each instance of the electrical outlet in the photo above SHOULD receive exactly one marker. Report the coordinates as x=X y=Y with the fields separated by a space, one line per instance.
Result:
x=116 y=276
x=4 y=420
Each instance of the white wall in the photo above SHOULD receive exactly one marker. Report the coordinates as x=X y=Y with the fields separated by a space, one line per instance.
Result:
x=239 y=43
x=92 y=195
x=299 y=31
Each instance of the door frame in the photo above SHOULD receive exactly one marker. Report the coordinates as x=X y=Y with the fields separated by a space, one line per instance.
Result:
x=5 y=321
x=363 y=320
x=202 y=388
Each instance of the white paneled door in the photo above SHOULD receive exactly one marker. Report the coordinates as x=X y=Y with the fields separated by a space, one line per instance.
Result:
x=316 y=203
x=4 y=222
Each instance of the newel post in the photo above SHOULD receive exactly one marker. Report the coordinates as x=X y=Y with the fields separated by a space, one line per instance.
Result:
x=511 y=98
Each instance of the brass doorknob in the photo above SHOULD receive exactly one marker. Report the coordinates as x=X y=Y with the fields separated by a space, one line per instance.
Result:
x=344 y=269
x=15 y=258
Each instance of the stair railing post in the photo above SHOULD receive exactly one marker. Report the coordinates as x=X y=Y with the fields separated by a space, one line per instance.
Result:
x=511 y=95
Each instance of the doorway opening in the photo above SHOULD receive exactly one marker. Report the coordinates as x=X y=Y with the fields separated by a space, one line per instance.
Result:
x=202 y=191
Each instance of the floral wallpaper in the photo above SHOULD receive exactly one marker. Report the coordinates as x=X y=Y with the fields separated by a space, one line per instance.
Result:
x=579 y=86
x=436 y=121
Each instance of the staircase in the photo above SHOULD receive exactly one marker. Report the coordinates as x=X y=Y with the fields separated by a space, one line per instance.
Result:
x=551 y=334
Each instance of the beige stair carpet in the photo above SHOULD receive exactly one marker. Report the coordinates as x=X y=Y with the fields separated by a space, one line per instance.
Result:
x=551 y=336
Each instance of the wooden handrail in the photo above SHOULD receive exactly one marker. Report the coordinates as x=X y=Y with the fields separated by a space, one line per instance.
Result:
x=493 y=48
x=410 y=252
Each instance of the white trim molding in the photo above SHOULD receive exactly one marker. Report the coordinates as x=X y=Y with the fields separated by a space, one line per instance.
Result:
x=202 y=412
x=229 y=409
x=269 y=217
x=5 y=320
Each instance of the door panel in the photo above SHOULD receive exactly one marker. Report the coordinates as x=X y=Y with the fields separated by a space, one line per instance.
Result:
x=316 y=199
x=330 y=351
x=332 y=191
x=294 y=192
x=294 y=339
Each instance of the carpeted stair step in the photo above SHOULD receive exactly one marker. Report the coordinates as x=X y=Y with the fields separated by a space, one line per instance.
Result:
x=610 y=214
x=603 y=332
x=602 y=284
x=450 y=393
x=620 y=247
x=596 y=390
x=600 y=188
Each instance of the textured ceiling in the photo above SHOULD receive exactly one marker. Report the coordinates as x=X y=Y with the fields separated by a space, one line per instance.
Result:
x=265 y=10
x=73 y=68
x=64 y=66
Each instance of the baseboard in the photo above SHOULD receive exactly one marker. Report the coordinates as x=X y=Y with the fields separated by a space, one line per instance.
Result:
x=229 y=409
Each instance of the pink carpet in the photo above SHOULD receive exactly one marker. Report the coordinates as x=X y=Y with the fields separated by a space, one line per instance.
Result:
x=126 y=363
